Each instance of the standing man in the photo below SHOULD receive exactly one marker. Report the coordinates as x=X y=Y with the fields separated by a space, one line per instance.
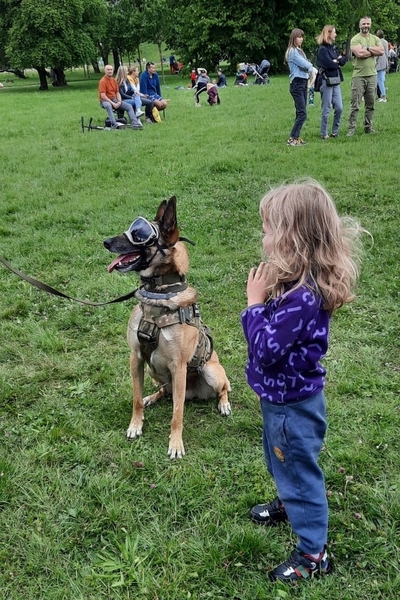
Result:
x=365 y=48
x=111 y=100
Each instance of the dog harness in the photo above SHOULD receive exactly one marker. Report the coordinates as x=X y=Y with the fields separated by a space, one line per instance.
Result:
x=155 y=318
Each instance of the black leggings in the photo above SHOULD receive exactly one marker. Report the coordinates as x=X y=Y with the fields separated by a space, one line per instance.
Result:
x=202 y=87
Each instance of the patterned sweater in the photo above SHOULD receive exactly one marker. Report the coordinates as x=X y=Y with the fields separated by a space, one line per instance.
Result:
x=286 y=339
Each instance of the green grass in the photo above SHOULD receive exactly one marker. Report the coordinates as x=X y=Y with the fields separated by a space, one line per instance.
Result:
x=83 y=513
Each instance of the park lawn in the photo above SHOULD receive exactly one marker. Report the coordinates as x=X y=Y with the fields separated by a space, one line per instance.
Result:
x=83 y=513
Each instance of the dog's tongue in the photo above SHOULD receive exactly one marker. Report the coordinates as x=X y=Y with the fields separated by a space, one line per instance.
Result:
x=123 y=258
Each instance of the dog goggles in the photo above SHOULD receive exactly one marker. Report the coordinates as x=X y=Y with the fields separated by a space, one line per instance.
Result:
x=142 y=233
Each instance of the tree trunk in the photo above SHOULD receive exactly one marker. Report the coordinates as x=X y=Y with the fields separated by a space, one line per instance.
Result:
x=58 y=77
x=139 y=56
x=42 y=78
x=116 y=59
x=95 y=66
x=159 y=46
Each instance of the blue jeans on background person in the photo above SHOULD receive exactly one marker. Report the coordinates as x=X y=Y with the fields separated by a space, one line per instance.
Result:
x=123 y=106
x=381 y=82
x=299 y=92
x=331 y=97
x=293 y=435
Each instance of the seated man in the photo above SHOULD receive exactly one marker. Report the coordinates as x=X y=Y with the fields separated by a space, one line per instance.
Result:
x=110 y=98
x=221 y=79
x=150 y=86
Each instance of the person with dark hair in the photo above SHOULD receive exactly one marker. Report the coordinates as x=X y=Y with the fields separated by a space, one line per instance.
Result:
x=150 y=86
x=329 y=62
x=300 y=70
x=365 y=47
x=221 y=82
x=201 y=85
x=382 y=64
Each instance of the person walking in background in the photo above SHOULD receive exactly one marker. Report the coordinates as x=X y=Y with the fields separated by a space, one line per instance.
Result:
x=300 y=70
x=382 y=65
x=309 y=269
x=365 y=47
x=329 y=63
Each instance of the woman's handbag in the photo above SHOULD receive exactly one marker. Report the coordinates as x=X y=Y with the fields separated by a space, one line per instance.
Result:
x=331 y=81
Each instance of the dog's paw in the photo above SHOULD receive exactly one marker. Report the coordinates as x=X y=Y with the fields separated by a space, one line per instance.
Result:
x=176 y=449
x=134 y=430
x=224 y=408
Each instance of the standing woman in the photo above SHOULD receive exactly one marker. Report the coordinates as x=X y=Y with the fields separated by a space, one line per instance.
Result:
x=329 y=63
x=299 y=71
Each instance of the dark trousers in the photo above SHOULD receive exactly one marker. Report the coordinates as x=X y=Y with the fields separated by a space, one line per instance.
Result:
x=298 y=90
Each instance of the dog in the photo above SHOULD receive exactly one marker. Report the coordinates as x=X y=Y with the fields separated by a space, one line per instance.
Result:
x=165 y=330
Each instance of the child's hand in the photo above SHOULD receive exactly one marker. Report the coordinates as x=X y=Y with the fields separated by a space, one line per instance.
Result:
x=257 y=286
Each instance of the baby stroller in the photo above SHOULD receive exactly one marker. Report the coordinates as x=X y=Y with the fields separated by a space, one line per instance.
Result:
x=261 y=76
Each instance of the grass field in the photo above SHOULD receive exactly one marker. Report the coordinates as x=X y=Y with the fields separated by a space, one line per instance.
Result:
x=84 y=514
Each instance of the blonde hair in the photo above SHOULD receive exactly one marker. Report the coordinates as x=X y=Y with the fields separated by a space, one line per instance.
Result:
x=312 y=245
x=122 y=74
x=322 y=38
x=296 y=33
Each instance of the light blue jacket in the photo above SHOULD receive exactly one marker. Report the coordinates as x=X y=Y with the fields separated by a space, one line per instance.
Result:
x=298 y=65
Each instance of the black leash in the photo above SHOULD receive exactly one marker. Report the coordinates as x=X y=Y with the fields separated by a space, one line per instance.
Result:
x=50 y=290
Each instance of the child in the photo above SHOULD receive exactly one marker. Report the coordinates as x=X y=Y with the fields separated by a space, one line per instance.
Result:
x=300 y=69
x=193 y=77
x=212 y=91
x=310 y=266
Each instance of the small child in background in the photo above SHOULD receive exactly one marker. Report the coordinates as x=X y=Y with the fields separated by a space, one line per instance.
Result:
x=310 y=266
x=193 y=77
x=212 y=91
x=311 y=86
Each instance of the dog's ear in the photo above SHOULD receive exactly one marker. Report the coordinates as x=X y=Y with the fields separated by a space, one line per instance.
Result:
x=168 y=223
x=161 y=211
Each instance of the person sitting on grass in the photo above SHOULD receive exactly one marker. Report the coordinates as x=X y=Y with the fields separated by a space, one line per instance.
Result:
x=221 y=83
x=110 y=99
x=150 y=86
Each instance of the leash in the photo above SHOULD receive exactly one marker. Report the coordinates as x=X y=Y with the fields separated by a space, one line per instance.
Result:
x=50 y=290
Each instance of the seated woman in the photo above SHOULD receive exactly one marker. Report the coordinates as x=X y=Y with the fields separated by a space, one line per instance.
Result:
x=126 y=90
x=141 y=99
x=150 y=86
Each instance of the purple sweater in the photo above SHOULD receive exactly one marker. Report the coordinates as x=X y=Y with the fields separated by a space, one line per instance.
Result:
x=286 y=339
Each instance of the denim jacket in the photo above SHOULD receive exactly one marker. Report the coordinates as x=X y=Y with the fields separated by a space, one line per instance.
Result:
x=299 y=66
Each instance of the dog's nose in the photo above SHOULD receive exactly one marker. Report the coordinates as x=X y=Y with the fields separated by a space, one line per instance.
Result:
x=107 y=243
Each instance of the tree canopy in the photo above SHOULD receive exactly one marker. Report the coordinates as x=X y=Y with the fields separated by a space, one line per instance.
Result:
x=57 y=34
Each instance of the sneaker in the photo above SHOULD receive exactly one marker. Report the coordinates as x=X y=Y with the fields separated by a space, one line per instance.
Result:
x=301 y=566
x=382 y=100
x=269 y=514
x=372 y=131
x=148 y=120
x=334 y=135
x=197 y=105
x=137 y=125
x=295 y=142
x=118 y=124
x=351 y=132
x=139 y=113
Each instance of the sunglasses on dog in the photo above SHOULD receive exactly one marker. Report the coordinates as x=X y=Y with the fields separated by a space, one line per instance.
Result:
x=142 y=233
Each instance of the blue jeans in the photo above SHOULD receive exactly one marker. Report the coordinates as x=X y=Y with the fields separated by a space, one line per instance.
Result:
x=299 y=92
x=123 y=106
x=293 y=435
x=331 y=96
x=381 y=82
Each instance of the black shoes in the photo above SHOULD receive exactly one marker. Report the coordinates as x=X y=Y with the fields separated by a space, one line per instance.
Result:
x=269 y=514
x=301 y=566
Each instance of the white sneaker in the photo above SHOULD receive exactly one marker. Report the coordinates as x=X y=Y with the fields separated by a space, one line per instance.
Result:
x=139 y=113
x=382 y=100
x=197 y=105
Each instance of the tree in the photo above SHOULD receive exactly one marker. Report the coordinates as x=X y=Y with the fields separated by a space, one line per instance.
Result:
x=54 y=33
